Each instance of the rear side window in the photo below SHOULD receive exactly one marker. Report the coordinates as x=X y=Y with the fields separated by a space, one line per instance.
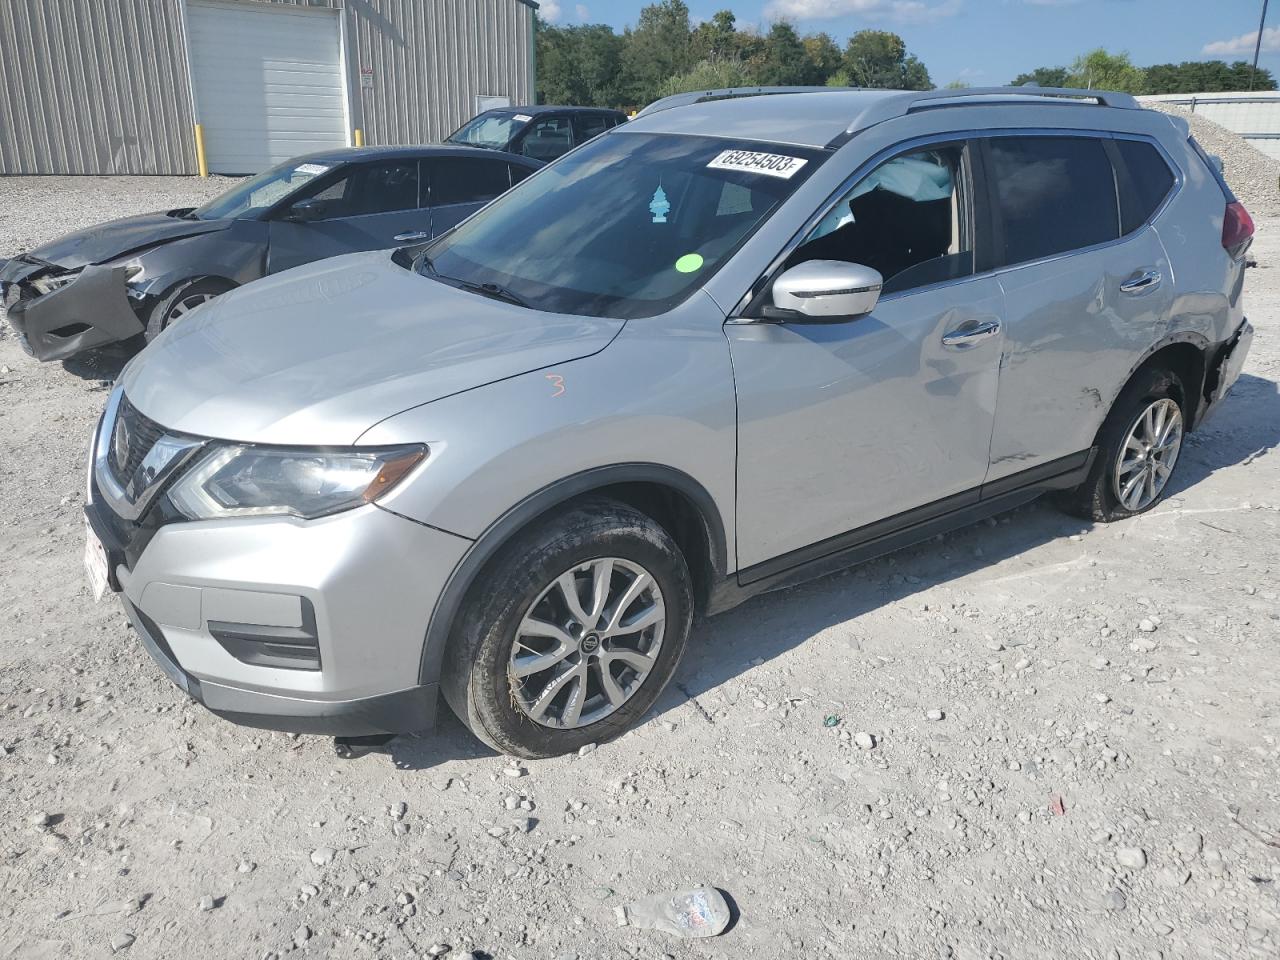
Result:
x=467 y=180
x=518 y=172
x=588 y=125
x=1149 y=181
x=1053 y=194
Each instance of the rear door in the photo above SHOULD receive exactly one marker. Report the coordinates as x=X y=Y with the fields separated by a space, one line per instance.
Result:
x=459 y=186
x=1087 y=287
x=369 y=206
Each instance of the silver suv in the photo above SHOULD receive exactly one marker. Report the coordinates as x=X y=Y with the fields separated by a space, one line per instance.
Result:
x=748 y=338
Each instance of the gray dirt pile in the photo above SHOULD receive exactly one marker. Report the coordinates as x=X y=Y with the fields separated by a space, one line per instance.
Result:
x=1253 y=176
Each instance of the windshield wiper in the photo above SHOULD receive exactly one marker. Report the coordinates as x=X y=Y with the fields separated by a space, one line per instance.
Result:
x=494 y=290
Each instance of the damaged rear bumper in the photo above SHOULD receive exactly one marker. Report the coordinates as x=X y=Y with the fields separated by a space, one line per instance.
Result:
x=91 y=310
x=1224 y=369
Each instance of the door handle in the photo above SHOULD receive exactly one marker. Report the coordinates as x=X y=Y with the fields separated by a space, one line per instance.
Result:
x=411 y=237
x=1146 y=281
x=964 y=336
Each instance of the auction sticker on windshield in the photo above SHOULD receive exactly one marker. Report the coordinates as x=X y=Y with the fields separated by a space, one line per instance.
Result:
x=95 y=563
x=770 y=164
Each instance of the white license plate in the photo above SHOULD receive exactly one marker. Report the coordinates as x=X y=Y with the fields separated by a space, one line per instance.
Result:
x=95 y=563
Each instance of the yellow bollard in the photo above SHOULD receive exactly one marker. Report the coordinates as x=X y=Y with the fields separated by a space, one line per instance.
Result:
x=359 y=137
x=201 y=162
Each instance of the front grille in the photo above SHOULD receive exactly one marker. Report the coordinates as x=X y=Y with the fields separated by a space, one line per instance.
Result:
x=132 y=438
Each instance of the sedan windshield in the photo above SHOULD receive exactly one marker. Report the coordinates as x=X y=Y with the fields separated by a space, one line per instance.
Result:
x=256 y=194
x=491 y=130
x=626 y=226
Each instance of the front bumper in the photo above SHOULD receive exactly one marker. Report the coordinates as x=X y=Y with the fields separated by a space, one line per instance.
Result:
x=359 y=585
x=91 y=311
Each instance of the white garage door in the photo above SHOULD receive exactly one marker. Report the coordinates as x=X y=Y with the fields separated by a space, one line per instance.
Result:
x=268 y=82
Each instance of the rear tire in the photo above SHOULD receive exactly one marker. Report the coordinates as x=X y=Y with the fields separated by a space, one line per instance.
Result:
x=1147 y=426
x=181 y=300
x=531 y=677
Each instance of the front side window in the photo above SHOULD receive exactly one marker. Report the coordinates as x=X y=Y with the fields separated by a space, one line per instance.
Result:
x=370 y=188
x=467 y=180
x=1054 y=194
x=907 y=219
x=256 y=194
x=627 y=226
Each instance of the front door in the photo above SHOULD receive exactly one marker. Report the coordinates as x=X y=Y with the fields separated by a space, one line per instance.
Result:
x=844 y=424
x=371 y=206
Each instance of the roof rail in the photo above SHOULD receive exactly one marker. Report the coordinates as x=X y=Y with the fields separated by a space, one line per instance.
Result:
x=907 y=101
x=725 y=93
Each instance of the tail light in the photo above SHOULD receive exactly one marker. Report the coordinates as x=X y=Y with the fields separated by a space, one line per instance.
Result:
x=1237 y=229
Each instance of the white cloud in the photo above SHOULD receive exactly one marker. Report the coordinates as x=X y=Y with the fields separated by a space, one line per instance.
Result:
x=1245 y=43
x=898 y=11
x=550 y=10
x=583 y=13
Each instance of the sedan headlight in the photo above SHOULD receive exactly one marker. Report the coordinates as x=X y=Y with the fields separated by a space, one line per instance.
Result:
x=245 y=481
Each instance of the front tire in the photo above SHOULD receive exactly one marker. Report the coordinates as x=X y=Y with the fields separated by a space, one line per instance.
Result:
x=571 y=634
x=180 y=301
x=1138 y=449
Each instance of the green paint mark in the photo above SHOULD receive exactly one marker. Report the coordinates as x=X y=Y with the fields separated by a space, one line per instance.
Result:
x=689 y=263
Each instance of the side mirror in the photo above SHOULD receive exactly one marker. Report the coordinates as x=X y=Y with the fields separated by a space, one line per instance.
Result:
x=306 y=211
x=828 y=290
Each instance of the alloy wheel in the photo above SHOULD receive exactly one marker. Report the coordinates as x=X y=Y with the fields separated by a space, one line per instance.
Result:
x=1150 y=450
x=185 y=305
x=587 y=643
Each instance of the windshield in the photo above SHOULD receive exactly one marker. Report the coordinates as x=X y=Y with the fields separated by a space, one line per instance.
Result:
x=491 y=130
x=626 y=226
x=258 y=193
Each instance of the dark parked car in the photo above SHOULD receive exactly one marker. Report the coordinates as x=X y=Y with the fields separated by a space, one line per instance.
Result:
x=542 y=133
x=139 y=274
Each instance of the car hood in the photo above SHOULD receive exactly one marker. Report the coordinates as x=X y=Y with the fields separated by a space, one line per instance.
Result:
x=319 y=354
x=115 y=238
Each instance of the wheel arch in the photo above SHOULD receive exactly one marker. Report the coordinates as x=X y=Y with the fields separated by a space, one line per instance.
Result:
x=675 y=500
x=1187 y=355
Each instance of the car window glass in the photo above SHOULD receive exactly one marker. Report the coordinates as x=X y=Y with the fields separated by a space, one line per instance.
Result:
x=546 y=138
x=590 y=125
x=903 y=219
x=255 y=194
x=371 y=188
x=518 y=172
x=1053 y=194
x=1149 y=182
x=467 y=180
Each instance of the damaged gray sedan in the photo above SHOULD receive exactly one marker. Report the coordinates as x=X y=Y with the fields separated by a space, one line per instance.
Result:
x=138 y=275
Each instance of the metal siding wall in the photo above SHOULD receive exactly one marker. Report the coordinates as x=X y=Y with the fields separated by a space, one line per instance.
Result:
x=91 y=88
x=431 y=59
x=103 y=88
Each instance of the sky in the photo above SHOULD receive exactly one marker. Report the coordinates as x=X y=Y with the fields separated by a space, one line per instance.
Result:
x=989 y=42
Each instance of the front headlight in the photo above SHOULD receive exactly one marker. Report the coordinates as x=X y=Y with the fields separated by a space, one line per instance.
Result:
x=244 y=481
x=48 y=284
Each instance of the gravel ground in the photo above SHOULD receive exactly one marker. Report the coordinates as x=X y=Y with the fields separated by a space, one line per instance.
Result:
x=1254 y=176
x=1034 y=738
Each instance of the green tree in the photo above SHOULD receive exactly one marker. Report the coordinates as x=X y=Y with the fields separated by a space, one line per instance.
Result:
x=716 y=38
x=579 y=65
x=1100 y=70
x=658 y=48
x=824 y=56
x=878 y=58
x=1044 y=77
x=711 y=74
x=956 y=85
x=1205 y=76
x=785 y=62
